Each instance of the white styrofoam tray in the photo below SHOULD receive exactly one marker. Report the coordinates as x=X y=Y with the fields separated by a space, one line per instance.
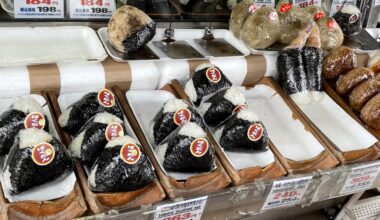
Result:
x=39 y=45
x=48 y=191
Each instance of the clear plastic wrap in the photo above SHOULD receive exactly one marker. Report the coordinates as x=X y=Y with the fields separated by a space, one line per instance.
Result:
x=351 y=79
x=370 y=113
x=339 y=61
x=374 y=63
x=174 y=113
x=77 y=114
x=364 y=92
x=239 y=14
x=331 y=33
x=316 y=12
x=130 y=29
x=121 y=167
x=90 y=141
x=349 y=19
x=261 y=29
x=35 y=159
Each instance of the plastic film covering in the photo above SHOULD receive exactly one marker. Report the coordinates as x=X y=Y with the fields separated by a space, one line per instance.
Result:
x=370 y=113
x=349 y=19
x=261 y=29
x=21 y=171
x=350 y=80
x=339 y=61
x=374 y=63
x=239 y=14
x=331 y=33
x=110 y=173
x=313 y=58
x=315 y=12
x=364 y=92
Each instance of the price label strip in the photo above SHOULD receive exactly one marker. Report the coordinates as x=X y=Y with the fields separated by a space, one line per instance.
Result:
x=39 y=9
x=360 y=178
x=92 y=9
x=337 y=5
x=189 y=209
x=268 y=3
x=305 y=3
x=286 y=192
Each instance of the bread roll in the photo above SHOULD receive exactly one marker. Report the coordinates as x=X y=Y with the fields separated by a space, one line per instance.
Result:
x=364 y=92
x=370 y=113
x=339 y=61
x=348 y=81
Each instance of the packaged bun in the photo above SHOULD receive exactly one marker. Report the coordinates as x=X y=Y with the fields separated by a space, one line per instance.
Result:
x=331 y=33
x=239 y=14
x=338 y=62
x=364 y=92
x=350 y=80
x=316 y=12
x=370 y=113
x=374 y=63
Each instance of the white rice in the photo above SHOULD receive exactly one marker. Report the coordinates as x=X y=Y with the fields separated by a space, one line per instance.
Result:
x=192 y=129
x=64 y=117
x=317 y=96
x=190 y=90
x=6 y=179
x=203 y=66
x=160 y=152
x=203 y=108
x=235 y=96
x=32 y=136
x=120 y=141
x=106 y=118
x=350 y=9
x=173 y=105
x=27 y=105
x=301 y=98
x=91 y=177
x=247 y=115
x=76 y=144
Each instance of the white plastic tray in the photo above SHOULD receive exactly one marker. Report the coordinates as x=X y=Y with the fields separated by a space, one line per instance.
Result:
x=39 y=45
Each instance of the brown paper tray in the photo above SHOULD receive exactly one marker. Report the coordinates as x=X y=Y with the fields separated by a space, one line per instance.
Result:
x=100 y=202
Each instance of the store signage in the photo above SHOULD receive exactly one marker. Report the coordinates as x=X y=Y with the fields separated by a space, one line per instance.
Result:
x=360 y=178
x=268 y=3
x=191 y=209
x=92 y=9
x=39 y=9
x=286 y=192
x=337 y=5
x=305 y=3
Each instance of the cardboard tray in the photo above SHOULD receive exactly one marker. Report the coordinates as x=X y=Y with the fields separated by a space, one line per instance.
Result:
x=68 y=207
x=100 y=202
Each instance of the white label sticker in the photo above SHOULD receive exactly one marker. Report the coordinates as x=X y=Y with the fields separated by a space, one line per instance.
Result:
x=286 y=192
x=268 y=3
x=377 y=2
x=337 y=5
x=191 y=209
x=360 y=178
x=92 y=9
x=39 y=9
x=305 y=3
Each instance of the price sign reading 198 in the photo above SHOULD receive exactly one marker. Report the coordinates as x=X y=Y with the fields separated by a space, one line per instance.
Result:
x=39 y=9
x=92 y=9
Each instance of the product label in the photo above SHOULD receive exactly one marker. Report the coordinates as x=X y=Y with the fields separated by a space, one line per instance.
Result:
x=305 y=3
x=255 y=132
x=213 y=75
x=331 y=24
x=43 y=154
x=377 y=2
x=252 y=8
x=286 y=7
x=318 y=16
x=239 y=108
x=267 y=3
x=130 y=153
x=360 y=178
x=39 y=8
x=92 y=9
x=34 y=120
x=354 y=18
x=338 y=4
x=106 y=98
x=113 y=131
x=191 y=209
x=286 y=192
x=273 y=16
x=181 y=116
x=199 y=147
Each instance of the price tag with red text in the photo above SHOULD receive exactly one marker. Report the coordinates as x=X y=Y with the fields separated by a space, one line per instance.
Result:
x=361 y=178
x=191 y=209
x=286 y=192
x=305 y=3
x=92 y=9
x=39 y=9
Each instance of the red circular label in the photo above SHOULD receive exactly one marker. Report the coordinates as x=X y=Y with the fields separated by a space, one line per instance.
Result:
x=318 y=16
x=252 y=8
x=43 y=154
x=130 y=153
x=34 y=120
x=106 y=98
x=331 y=24
x=213 y=75
x=199 y=147
x=255 y=132
x=181 y=116
x=239 y=108
x=114 y=130
x=353 y=18
x=273 y=16
x=286 y=7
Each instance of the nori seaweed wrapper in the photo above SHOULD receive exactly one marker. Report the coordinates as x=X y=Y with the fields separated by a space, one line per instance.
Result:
x=110 y=173
x=140 y=38
x=350 y=23
x=23 y=173
x=313 y=59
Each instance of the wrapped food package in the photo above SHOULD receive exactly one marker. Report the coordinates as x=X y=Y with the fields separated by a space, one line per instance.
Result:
x=24 y=113
x=349 y=19
x=90 y=141
x=243 y=132
x=187 y=149
x=35 y=159
x=370 y=113
x=350 y=80
x=374 y=63
x=121 y=167
x=316 y=12
x=130 y=29
x=221 y=105
x=239 y=14
x=77 y=114
x=261 y=29
x=207 y=79
x=339 y=61
x=174 y=113
x=331 y=33
x=364 y=92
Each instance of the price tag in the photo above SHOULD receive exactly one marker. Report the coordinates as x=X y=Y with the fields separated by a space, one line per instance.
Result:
x=268 y=3
x=337 y=5
x=377 y=2
x=189 y=209
x=305 y=3
x=360 y=178
x=39 y=8
x=286 y=192
x=92 y=9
